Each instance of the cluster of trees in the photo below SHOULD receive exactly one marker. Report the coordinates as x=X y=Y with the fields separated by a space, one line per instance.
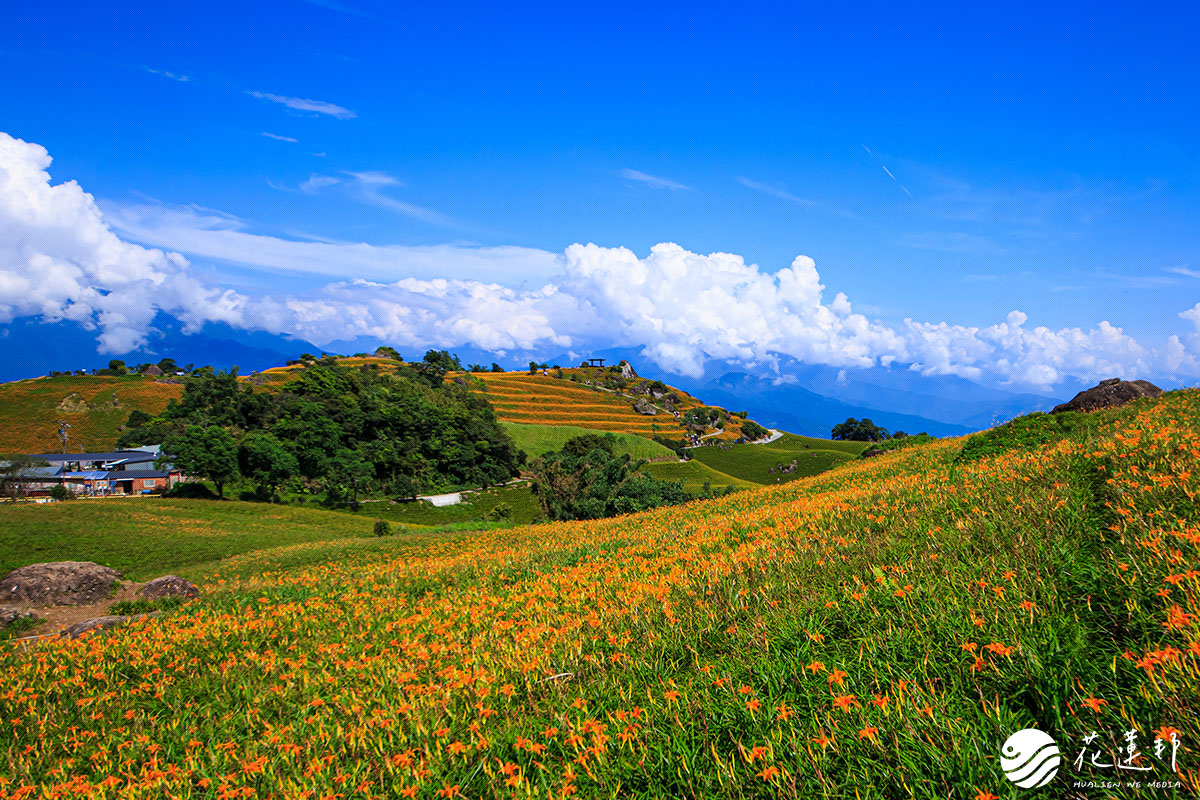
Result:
x=587 y=480
x=119 y=367
x=863 y=430
x=752 y=431
x=344 y=431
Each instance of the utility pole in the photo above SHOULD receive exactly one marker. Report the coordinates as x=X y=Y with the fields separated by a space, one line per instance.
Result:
x=63 y=426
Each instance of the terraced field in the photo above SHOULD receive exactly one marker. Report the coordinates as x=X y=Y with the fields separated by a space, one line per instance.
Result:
x=95 y=406
x=541 y=400
x=548 y=400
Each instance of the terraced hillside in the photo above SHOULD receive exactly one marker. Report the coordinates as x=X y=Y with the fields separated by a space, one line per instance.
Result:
x=573 y=399
x=95 y=406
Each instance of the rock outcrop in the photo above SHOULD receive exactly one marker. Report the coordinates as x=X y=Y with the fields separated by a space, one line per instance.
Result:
x=169 y=586
x=59 y=583
x=627 y=371
x=644 y=408
x=1107 y=394
x=9 y=615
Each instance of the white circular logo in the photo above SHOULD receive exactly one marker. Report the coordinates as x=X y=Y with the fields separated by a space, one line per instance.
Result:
x=1029 y=758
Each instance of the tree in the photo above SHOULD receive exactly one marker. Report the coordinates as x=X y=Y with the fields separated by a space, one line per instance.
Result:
x=586 y=480
x=348 y=473
x=13 y=469
x=204 y=452
x=855 y=430
x=263 y=459
x=436 y=364
x=533 y=367
x=117 y=367
x=496 y=367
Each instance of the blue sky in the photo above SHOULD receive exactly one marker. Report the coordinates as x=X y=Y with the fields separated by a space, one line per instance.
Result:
x=939 y=164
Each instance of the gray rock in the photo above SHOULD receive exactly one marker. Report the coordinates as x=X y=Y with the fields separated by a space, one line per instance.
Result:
x=644 y=408
x=169 y=586
x=9 y=615
x=1107 y=394
x=59 y=583
x=627 y=370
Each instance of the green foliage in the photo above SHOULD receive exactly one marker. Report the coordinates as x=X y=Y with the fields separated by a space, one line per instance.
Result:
x=496 y=367
x=263 y=459
x=501 y=512
x=144 y=606
x=384 y=351
x=898 y=442
x=60 y=492
x=855 y=430
x=752 y=431
x=1025 y=433
x=190 y=490
x=349 y=431
x=436 y=364
x=204 y=452
x=587 y=480
x=381 y=528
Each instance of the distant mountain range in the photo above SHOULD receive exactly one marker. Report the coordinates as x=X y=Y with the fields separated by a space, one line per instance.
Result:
x=30 y=348
x=802 y=398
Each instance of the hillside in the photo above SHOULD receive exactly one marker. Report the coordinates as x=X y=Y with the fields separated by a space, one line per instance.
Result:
x=874 y=632
x=577 y=399
x=95 y=406
x=773 y=462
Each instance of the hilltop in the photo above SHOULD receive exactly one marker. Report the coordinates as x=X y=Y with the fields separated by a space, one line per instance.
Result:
x=883 y=626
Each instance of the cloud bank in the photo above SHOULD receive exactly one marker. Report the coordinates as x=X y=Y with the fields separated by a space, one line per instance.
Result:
x=61 y=259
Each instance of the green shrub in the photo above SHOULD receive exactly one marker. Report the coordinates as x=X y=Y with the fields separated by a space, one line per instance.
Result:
x=60 y=492
x=381 y=528
x=499 y=513
x=191 y=491
x=127 y=608
x=1023 y=433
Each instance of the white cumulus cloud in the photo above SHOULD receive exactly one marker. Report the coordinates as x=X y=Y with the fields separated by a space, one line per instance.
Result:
x=61 y=258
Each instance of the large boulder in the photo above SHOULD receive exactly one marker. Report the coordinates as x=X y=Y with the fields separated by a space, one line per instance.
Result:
x=644 y=408
x=9 y=615
x=59 y=583
x=169 y=586
x=627 y=371
x=1109 y=393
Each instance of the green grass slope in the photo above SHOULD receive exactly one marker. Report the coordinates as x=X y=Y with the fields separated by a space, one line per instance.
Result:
x=753 y=462
x=537 y=440
x=694 y=474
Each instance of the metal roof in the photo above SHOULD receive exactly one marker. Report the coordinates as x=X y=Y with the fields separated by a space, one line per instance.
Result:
x=119 y=455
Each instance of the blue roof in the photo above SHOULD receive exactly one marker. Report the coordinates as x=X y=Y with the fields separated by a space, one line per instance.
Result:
x=88 y=474
x=117 y=455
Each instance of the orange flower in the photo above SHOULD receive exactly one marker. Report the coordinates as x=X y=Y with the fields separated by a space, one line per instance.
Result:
x=815 y=666
x=868 y=733
x=845 y=702
x=769 y=774
x=986 y=795
x=785 y=711
x=1095 y=703
x=837 y=676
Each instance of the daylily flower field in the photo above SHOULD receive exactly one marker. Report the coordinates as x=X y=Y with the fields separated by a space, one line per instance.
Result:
x=876 y=631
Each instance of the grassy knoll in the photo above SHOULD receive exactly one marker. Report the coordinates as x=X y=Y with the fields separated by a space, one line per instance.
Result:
x=475 y=506
x=147 y=537
x=537 y=440
x=752 y=462
x=873 y=632
x=95 y=406
x=694 y=474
